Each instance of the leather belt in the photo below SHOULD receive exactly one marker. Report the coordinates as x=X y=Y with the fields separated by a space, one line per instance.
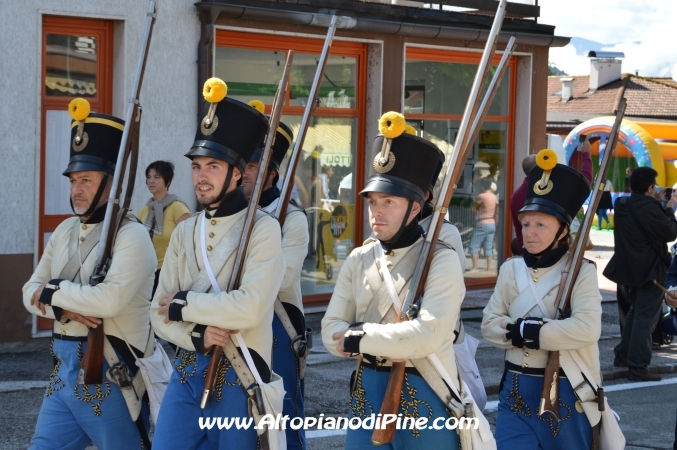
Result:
x=380 y=366
x=535 y=371
x=64 y=337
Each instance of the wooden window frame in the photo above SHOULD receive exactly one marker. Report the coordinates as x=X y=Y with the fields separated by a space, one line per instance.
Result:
x=455 y=56
x=268 y=42
x=102 y=102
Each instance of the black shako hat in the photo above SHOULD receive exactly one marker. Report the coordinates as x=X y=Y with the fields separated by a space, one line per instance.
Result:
x=438 y=169
x=230 y=130
x=555 y=189
x=283 y=140
x=95 y=139
x=404 y=163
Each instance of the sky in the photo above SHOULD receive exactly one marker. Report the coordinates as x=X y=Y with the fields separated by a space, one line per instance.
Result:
x=645 y=30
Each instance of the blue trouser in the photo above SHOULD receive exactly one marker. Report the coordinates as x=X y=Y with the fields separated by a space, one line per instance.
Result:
x=178 y=425
x=285 y=364
x=418 y=400
x=519 y=426
x=72 y=416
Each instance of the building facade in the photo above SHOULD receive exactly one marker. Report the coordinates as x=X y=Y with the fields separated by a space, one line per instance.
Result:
x=419 y=61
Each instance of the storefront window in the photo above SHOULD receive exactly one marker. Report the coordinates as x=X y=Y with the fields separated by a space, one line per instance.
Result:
x=324 y=178
x=434 y=98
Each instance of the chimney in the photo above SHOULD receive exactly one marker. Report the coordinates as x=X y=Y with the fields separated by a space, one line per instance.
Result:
x=567 y=89
x=605 y=67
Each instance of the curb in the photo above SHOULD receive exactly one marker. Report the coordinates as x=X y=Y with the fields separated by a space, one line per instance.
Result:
x=609 y=375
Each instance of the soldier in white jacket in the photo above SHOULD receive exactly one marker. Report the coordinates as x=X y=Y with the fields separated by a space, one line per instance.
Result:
x=514 y=320
x=189 y=311
x=353 y=323
x=73 y=415
x=290 y=347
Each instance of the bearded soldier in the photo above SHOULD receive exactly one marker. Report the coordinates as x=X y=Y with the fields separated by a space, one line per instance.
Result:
x=191 y=307
x=290 y=347
x=73 y=415
x=360 y=316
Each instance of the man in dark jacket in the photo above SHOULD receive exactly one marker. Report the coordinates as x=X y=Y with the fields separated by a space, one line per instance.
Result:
x=642 y=229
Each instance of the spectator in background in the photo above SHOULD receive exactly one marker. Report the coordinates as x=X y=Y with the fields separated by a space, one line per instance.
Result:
x=483 y=234
x=642 y=229
x=325 y=178
x=628 y=174
x=519 y=196
x=163 y=212
x=605 y=204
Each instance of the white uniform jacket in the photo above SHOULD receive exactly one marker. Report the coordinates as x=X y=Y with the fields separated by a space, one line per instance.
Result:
x=431 y=332
x=294 y=249
x=579 y=332
x=248 y=309
x=123 y=296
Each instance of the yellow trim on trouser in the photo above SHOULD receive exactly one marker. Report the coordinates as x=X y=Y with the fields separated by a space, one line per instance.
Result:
x=110 y=123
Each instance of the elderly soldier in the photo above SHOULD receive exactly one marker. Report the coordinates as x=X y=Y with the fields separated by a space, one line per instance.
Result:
x=73 y=415
x=191 y=307
x=353 y=322
x=520 y=318
x=290 y=347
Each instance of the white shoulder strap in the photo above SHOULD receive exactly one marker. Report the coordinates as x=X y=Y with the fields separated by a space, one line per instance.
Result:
x=217 y=289
x=537 y=296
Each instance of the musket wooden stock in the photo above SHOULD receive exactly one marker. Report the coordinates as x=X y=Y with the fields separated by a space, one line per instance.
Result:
x=91 y=365
x=572 y=268
x=250 y=218
x=473 y=110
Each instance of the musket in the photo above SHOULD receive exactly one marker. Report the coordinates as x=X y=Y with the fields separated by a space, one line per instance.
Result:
x=410 y=307
x=313 y=100
x=250 y=217
x=550 y=391
x=91 y=365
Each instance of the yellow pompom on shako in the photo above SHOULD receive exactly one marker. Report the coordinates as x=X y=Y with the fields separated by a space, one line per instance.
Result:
x=214 y=90
x=410 y=130
x=546 y=159
x=392 y=125
x=257 y=105
x=79 y=109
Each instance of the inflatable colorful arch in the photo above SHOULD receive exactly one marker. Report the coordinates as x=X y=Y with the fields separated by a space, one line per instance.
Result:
x=633 y=141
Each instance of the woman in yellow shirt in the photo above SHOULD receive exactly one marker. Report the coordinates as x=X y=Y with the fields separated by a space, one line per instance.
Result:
x=163 y=211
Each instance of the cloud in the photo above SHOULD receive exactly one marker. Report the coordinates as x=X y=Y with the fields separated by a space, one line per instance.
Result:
x=644 y=31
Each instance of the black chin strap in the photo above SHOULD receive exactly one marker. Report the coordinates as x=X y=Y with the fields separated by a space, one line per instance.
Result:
x=404 y=223
x=96 y=200
x=224 y=189
x=554 y=241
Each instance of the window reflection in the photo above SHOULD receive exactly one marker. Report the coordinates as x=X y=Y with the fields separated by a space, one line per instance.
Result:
x=70 y=66
x=477 y=208
x=324 y=187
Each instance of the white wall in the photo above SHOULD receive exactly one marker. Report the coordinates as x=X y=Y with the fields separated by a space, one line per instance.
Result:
x=167 y=97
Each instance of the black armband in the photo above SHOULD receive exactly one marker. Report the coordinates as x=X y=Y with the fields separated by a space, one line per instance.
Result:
x=50 y=288
x=176 y=305
x=197 y=336
x=352 y=338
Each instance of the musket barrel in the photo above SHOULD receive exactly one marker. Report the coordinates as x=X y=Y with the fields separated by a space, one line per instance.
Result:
x=447 y=185
x=280 y=211
x=133 y=100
